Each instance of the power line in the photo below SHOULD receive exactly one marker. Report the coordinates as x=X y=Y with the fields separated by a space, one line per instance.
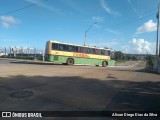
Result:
x=19 y=9
x=132 y=20
x=126 y=22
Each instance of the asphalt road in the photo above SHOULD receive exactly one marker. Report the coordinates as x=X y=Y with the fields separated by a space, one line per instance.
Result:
x=44 y=87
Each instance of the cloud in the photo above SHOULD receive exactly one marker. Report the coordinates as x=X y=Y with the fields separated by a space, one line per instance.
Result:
x=75 y=6
x=112 y=31
x=149 y=26
x=134 y=8
x=108 y=9
x=7 y=21
x=106 y=43
x=43 y=5
x=97 y=19
x=5 y=24
x=140 y=46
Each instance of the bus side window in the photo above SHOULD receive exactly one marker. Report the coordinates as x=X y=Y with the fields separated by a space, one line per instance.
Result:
x=65 y=47
x=72 y=48
x=54 y=46
x=79 y=49
x=69 y=48
x=76 y=49
x=99 y=52
x=96 y=51
x=83 y=50
x=60 y=47
x=109 y=53
x=90 y=50
x=102 y=52
x=106 y=52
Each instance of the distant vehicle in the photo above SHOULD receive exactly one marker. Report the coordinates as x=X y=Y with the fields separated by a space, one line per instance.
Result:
x=70 y=54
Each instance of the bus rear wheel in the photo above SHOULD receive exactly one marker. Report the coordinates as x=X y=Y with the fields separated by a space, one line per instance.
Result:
x=104 y=63
x=70 y=61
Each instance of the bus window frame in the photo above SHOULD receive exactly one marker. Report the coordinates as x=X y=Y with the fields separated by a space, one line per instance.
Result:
x=80 y=49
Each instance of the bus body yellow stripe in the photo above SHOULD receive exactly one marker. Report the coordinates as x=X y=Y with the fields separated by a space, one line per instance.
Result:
x=75 y=54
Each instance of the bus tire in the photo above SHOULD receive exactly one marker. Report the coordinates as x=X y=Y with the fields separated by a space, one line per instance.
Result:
x=70 y=61
x=104 y=63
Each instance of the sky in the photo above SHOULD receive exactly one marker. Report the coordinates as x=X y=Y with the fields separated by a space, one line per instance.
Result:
x=123 y=25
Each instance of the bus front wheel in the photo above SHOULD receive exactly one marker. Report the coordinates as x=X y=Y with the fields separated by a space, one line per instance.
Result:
x=104 y=63
x=70 y=61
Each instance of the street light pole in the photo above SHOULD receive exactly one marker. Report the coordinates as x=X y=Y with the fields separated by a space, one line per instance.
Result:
x=87 y=31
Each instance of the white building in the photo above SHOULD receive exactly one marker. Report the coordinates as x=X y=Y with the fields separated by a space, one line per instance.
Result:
x=2 y=54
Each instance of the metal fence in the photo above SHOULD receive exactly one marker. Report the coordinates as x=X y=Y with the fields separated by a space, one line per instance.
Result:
x=22 y=53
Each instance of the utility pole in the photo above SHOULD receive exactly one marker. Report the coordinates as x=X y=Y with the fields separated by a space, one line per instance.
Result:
x=157 y=42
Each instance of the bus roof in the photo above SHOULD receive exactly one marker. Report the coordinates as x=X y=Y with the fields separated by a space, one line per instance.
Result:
x=55 y=41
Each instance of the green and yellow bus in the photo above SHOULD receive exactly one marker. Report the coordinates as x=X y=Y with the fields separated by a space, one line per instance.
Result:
x=70 y=54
